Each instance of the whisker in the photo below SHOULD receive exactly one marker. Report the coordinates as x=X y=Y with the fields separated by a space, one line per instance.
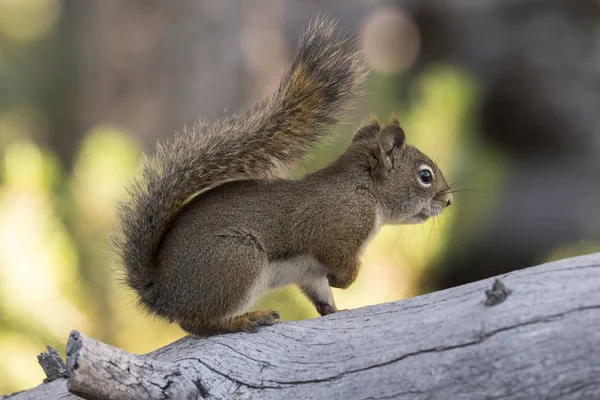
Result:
x=436 y=227
x=398 y=242
x=467 y=190
x=435 y=155
x=459 y=183
x=466 y=178
x=428 y=240
x=288 y=302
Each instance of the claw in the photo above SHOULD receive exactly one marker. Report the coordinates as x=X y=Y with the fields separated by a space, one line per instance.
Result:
x=325 y=309
x=263 y=318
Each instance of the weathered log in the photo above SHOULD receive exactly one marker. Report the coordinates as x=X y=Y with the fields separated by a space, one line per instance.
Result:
x=539 y=338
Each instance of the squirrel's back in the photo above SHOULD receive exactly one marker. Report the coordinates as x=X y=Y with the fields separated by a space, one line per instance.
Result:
x=321 y=82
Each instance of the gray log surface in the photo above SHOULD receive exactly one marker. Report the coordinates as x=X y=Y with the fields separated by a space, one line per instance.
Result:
x=542 y=341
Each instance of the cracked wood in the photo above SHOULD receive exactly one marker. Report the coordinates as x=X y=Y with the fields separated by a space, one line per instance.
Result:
x=542 y=341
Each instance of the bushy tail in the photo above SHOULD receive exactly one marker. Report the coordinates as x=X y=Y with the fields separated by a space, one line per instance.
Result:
x=324 y=77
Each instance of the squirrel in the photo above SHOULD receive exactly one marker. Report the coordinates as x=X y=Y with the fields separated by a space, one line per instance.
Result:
x=211 y=223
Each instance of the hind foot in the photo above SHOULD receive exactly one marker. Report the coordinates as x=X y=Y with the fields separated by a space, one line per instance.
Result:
x=249 y=322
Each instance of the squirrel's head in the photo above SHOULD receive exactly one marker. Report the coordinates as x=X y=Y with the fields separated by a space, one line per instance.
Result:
x=409 y=186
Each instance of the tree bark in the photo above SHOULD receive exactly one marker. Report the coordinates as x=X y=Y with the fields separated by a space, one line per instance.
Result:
x=529 y=334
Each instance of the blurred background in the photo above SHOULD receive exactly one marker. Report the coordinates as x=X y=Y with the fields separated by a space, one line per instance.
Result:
x=504 y=94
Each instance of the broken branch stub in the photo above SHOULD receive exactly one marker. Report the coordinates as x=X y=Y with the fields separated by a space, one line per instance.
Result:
x=98 y=371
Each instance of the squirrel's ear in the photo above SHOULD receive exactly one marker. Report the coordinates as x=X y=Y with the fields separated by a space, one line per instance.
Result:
x=368 y=132
x=391 y=138
x=393 y=119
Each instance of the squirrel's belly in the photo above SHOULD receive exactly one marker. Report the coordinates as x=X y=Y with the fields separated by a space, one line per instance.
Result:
x=295 y=270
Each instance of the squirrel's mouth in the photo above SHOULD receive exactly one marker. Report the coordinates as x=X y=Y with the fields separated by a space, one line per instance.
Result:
x=418 y=218
x=423 y=215
x=427 y=212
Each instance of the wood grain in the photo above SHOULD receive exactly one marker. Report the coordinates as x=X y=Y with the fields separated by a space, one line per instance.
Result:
x=541 y=342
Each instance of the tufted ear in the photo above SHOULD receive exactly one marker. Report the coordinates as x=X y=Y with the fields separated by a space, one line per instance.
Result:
x=393 y=119
x=368 y=132
x=391 y=138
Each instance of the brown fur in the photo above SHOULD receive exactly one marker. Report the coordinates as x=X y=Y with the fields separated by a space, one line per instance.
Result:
x=209 y=227
x=323 y=79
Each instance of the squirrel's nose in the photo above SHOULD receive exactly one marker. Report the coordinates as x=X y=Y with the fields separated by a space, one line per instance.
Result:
x=449 y=199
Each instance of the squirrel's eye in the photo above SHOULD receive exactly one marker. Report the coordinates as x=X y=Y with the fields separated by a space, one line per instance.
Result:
x=425 y=176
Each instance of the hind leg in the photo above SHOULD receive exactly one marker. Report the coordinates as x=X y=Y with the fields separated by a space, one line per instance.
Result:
x=237 y=266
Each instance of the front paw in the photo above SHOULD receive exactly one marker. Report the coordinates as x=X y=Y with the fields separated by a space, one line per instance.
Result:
x=326 y=309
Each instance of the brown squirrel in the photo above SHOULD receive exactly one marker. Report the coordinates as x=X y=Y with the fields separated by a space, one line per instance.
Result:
x=210 y=226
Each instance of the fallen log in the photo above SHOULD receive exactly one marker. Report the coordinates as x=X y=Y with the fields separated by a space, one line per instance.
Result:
x=528 y=334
